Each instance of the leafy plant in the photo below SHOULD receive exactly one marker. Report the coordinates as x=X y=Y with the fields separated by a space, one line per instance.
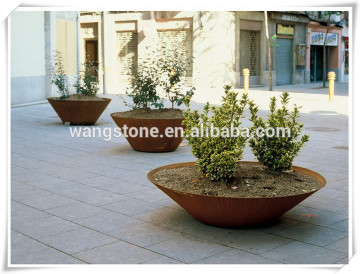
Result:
x=143 y=86
x=58 y=75
x=273 y=40
x=174 y=66
x=217 y=157
x=278 y=152
x=163 y=70
x=88 y=82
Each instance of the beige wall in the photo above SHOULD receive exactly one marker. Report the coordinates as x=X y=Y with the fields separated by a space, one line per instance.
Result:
x=27 y=43
x=66 y=44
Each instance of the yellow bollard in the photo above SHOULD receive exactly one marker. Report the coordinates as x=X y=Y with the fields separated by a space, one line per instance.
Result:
x=331 y=78
x=246 y=73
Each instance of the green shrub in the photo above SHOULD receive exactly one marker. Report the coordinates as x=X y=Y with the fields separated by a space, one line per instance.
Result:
x=58 y=76
x=217 y=157
x=277 y=153
x=143 y=86
x=88 y=81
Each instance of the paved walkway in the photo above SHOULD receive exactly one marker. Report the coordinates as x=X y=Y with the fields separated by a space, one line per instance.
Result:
x=87 y=201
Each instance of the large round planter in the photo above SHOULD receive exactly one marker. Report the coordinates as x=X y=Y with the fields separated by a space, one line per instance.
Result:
x=161 y=143
x=235 y=212
x=79 y=112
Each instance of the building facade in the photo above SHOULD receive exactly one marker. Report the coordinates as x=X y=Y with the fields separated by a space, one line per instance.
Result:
x=220 y=45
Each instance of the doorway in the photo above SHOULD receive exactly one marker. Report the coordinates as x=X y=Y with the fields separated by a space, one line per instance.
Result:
x=283 y=61
x=316 y=62
x=92 y=56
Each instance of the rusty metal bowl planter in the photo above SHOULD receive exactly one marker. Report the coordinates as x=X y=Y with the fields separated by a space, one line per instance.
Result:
x=79 y=112
x=235 y=212
x=162 y=143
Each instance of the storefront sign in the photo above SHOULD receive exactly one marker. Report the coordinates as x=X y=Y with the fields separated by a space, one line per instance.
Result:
x=285 y=30
x=289 y=17
x=317 y=38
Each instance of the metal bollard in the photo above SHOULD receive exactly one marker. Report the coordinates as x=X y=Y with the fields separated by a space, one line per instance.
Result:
x=246 y=73
x=331 y=78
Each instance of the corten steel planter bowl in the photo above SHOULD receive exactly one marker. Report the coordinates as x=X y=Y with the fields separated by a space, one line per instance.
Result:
x=235 y=212
x=162 y=143
x=79 y=112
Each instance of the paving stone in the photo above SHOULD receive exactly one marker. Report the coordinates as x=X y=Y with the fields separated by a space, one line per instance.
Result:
x=252 y=241
x=40 y=228
x=77 y=240
x=178 y=248
x=27 y=194
x=165 y=216
x=235 y=256
x=117 y=253
x=328 y=204
x=96 y=196
x=341 y=245
x=198 y=229
x=302 y=253
x=330 y=193
x=314 y=216
x=48 y=202
x=77 y=211
x=312 y=234
x=144 y=234
x=20 y=187
x=47 y=256
x=163 y=260
x=97 y=181
x=343 y=225
x=108 y=222
x=149 y=195
x=344 y=261
x=22 y=245
x=22 y=213
x=124 y=187
x=132 y=207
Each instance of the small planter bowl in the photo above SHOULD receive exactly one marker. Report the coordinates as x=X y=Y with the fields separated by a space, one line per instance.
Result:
x=79 y=112
x=235 y=212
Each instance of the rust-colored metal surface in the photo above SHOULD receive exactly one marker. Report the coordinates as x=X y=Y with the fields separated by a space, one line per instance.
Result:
x=162 y=143
x=79 y=112
x=235 y=212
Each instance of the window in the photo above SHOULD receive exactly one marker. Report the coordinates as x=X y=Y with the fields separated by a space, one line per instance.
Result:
x=128 y=52
x=250 y=51
x=181 y=40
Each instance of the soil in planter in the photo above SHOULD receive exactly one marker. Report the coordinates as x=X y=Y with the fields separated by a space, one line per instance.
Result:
x=251 y=181
x=164 y=113
x=83 y=97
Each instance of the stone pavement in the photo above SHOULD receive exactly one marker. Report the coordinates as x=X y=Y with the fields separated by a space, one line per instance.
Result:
x=88 y=201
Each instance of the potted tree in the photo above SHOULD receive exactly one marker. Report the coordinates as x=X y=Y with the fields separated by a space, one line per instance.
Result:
x=83 y=107
x=221 y=190
x=149 y=126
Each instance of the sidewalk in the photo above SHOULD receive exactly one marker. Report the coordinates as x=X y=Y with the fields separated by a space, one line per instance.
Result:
x=88 y=201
